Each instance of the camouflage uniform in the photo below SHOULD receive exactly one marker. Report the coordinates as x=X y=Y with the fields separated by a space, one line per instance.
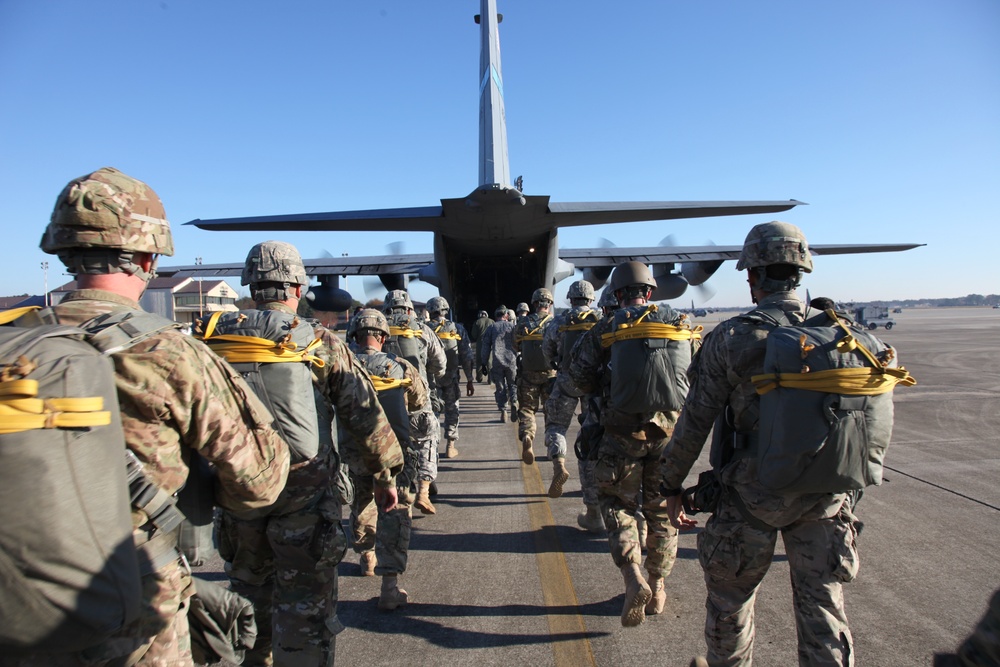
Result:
x=533 y=386
x=736 y=549
x=449 y=386
x=561 y=404
x=176 y=397
x=498 y=344
x=479 y=328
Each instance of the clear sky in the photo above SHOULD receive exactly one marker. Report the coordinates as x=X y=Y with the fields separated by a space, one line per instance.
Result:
x=883 y=116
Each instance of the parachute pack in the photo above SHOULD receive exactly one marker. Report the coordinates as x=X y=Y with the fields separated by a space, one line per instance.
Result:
x=826 y=409
x=651 y=350
x=577 y=323
x=528 y=335
x=449 y=336
x=404 y=332
x=390 y=381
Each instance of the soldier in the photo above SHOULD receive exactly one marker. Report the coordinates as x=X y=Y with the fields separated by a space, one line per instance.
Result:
x=403 y=395
x=534 y=377
x=482 y=323
x=498 y=343
x=639 y=371
x=521 y=310
x=737 y=544
x=285 y=559
x=557 y=343
x=176 y=397
x=413 y=340
x=458 y=352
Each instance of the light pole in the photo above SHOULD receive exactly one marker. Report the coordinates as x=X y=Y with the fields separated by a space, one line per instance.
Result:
x=45 y=274
x=201 y=305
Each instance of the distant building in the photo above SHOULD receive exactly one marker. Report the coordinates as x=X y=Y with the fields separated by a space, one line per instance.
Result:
x=180 y=299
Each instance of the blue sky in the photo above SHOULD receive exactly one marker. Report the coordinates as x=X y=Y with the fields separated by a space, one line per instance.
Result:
x=883 y=116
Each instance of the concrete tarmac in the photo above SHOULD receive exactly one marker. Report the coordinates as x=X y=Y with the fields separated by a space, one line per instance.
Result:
x=502 y=575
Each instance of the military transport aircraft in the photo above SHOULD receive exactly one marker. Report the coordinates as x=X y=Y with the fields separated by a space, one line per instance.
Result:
x=497 y=244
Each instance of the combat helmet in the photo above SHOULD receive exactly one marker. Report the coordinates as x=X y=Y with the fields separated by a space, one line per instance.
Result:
x=541 y=294
x=775 y=243
x=521 y=309
x=608 y=300
x=397 y=298
x=368 y=319
x=581 y=289
x=101 y=219
x=438 y=304
x=500 y=311
x=271 y=269
x=631 y=273
x=482 y=313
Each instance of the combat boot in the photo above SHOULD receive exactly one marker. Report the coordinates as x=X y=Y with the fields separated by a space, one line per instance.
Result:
x=659 y=599
x=559 y=477
x=392 y=595
x=637 y=594
x=591 y=520
x=698 y=662
x=527 y=455
x=513 y=415
x=503 y=415
x=423 y=501
x=367 y=563
x=451 y=452
x=640 y=526
x=434 y=489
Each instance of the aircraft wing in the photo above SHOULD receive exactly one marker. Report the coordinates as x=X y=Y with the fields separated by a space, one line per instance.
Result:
x=602 y=257
x=571 y=214
x=340 y=266
x=414 y=219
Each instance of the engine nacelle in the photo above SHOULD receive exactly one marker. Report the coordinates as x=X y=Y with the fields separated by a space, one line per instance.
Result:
x=696 y=273
x=597 y=275
x=328 y=296
x=393 y=281
x=668 y=285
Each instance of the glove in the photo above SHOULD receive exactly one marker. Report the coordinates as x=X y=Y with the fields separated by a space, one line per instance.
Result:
x=483 y=370
x=470 y=390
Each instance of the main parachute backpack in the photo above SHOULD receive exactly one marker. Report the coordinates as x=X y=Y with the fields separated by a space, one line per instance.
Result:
x=650 y=354
x=449 y=336
x=577 y=324
x=404 y=332
x=826 y=408
x=528 y=335
x=69 y=575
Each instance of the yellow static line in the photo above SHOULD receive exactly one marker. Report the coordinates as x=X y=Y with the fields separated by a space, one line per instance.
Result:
x=570 y=646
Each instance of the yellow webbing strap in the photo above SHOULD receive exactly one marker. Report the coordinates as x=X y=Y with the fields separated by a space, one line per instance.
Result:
x=385 y=384
x=536 y=333
x=250 y=349
x=447 y=335
x=8 y=316
x=850 y=381
x=405 y=332
x=21 y=411
x=583 y=325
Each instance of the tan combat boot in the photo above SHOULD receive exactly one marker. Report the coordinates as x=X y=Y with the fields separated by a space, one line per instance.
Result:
x=527 y=455
x=637 y=594
x=367 y=563
x=659 y=599
x=591 y=520
x=559 y=477
x=451 y=451
x=392 y=595
x=423 y=501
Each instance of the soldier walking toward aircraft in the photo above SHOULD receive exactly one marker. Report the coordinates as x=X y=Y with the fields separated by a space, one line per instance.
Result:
x=458 y=353
x=498 y=344
x=479 y=327
x=535 y=377
x=285 y=558
x=737 y=544
x=636 y=359
x=176 y=398
x=557 y=342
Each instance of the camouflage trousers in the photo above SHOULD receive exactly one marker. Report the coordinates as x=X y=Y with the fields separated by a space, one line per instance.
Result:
x=533 y=391
x=287 y=566
x=588 y=483
x=627 y=471
x=504 y=389
x=735 y=556
x=424 y=436
x=388 y=533
x=449 y=405
x=559 y=410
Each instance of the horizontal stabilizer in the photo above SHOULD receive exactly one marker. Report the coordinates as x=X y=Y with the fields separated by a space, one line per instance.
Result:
x=570 y=214
x=418 y=219
x=592 y=257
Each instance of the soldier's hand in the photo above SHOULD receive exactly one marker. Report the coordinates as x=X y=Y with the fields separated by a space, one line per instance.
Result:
x=675 y=511
x=484 y=371
x=470 y=390
x=386 y=497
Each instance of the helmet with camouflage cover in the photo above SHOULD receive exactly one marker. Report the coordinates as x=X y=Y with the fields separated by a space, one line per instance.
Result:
x=482 y=313
x=107 y=213
x=775 y=243
x=608 y=299
x=274 y=262
x=581 y=289
x=438 y=304
x=368 y=319
x=541 y=294
x=631 y=273
x=521 y=309
x=397 y=298
x=500 y=311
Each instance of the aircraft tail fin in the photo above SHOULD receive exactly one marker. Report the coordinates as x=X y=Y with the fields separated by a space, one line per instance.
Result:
x=494 y=168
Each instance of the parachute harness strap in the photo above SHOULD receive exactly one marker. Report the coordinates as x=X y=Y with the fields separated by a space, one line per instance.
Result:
x=385 y=384
x=536 y=333
x=879 y=379
x=640 y=329
x=251 y=349
x=405 y=332
x=583 y=324
x=447 y=335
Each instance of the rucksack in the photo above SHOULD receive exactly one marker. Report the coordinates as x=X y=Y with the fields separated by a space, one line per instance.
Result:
x=528 y=335
x=578 y=322
x=826 y=409
x=651 y=350
x=403 y=341
x=449 y=336
x=390 y=381
x=69 y=573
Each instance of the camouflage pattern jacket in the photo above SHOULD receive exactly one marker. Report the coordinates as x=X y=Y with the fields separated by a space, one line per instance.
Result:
x=720 y=373
x=417 y=394
x=177 y=395
x=499 y=341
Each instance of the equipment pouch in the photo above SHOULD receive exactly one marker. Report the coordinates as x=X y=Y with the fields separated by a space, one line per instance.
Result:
x=704 y=496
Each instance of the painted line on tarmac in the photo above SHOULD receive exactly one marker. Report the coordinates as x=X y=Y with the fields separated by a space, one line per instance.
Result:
x=570 y=646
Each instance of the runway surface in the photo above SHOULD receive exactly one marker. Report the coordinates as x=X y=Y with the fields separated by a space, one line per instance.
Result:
x=502 y=575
